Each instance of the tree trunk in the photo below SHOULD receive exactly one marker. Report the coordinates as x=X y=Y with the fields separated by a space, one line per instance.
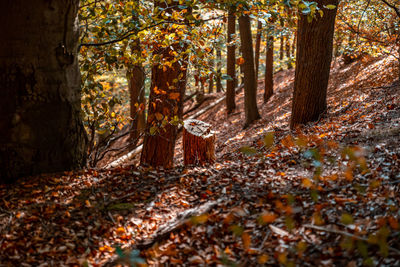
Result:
x=136 y=77
x=166 y=101
x=269 y=69
x=282 y=41
x=40 y=128
x=250 y=84
x=313 y=61
x=211 y=76
x=231 y=61
x=198 y=143
x=258 y=47
x=219 y=71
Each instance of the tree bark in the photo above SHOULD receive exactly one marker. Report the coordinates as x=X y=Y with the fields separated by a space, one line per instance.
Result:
x=219 y=71
x=258 y=47
x=136 y=77
x=250 y=84
x=166 y=100
x=282 y=41
x=313 y=60
x=40 y=128
x=231 y=61
x=198 y=143
x=211 y=76
x=269 y=69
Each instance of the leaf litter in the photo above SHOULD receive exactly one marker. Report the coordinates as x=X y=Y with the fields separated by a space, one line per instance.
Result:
x=324 y=194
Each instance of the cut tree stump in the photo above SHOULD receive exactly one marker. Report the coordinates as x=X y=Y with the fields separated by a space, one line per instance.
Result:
x=198 y=143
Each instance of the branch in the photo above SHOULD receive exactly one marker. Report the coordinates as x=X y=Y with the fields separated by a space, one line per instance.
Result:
x=334 y=231
x=136 y=31
x=396 y=9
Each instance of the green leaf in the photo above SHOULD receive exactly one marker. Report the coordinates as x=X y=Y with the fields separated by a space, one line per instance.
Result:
x=330 y=6
x=269 y=139
x=346 y=219
x=237 y=230
x=248 y=151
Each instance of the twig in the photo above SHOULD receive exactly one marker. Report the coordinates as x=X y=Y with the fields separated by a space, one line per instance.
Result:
x=334 y=231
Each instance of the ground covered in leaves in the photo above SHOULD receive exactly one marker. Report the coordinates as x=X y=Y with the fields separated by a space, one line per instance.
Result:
x=325 y=194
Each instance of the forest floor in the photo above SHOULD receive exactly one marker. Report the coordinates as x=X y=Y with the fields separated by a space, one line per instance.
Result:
x=325 y=194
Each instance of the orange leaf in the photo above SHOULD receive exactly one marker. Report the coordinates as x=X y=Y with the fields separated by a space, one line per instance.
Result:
x=159 y=116
x=268 y=217
x=393 y=223
x=240 y=61
x=246 y=241
x=120 y=230
x=174 y=96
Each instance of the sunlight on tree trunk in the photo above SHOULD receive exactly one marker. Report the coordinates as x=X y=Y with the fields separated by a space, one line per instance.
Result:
x=166 y=101
x=313 y=61
x=250 y=84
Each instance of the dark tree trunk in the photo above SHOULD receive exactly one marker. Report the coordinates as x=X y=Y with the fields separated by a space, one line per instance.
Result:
x=219 y=71
x=258 y=48
x=166 y=102
x=288 y=55
x=269 y=69
x=250 y=84
x=287 y=47
x=40 y=127
x=136 y=77
x=313 y=60
x=211 y=76
x=282 y=41
x=231 y=61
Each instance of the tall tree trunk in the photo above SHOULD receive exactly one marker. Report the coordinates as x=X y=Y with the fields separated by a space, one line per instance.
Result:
x=269 y=69
x=40 y=127
x=136 y=77
x=282 y=40
x=211 y=76
x=166 y=98
x=231 y=61
x=288 y=55
x=219 y=71
x=258 y=47
x=250 y=85
x=313 y=61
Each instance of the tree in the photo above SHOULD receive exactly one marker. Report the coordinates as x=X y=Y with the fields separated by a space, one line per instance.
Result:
x=167 y=91
x=313 y=60
x=250 y=84
x=231 y=72
x=258 y=47
x=41 y=129
x=269 y=69
x=219 y=71
x=136 y=76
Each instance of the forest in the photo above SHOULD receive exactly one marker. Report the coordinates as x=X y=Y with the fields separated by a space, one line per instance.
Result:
x=200 y=133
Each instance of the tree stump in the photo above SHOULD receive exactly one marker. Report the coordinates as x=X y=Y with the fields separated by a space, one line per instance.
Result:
x=198 y=143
